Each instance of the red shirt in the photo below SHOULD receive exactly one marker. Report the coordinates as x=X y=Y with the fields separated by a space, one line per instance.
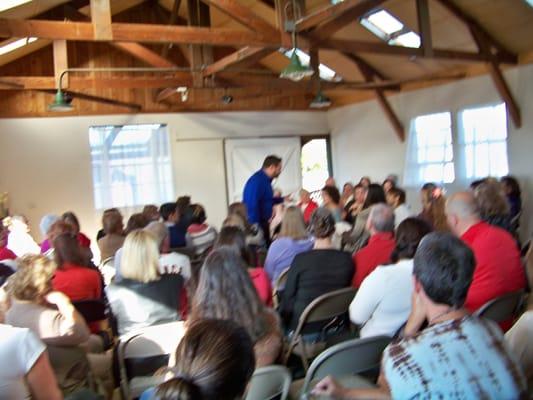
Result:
x=498 y=266
x=83 y=240
x=6 y=254
x=262 y=284
x=376 y=252
x=77 y=282
x=308 y=210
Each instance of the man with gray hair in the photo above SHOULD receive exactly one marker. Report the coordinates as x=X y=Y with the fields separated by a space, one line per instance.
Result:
x=380 y=224
x=498 y=267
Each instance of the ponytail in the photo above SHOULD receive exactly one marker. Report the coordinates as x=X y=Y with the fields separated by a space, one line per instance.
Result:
x=178 y=388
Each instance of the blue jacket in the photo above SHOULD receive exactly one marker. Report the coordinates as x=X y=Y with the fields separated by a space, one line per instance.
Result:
x=259 y=198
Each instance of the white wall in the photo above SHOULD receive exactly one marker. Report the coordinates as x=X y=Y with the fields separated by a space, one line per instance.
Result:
x=363 y=142
x=45 y=163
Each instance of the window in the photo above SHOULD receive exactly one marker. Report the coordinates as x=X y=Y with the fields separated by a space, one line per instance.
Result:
x=430 y=152
x=315 y=164
x=390 y=29
x=484 y=141
x=325 y=72
x=11 y=45
x=7 y=4
x=131 y=165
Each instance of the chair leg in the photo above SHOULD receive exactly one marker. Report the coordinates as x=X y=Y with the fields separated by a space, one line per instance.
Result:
x=288 y=353
x=303 y=355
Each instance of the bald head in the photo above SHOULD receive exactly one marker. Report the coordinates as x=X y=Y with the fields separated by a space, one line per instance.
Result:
x=461 y=212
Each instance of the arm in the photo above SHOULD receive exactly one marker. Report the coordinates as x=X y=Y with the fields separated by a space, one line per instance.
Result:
x=42 y=381
x=71 y=325
x=330 y=387
x=366 y=299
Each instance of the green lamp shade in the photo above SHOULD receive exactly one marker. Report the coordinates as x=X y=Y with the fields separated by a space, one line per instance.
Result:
x=295 y=71
x=320 y=101
x=60 y=103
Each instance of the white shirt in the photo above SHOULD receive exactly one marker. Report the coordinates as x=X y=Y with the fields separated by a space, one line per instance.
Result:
x=19 y=350
x=170 y=263
x=383 y=302
x=400 y=213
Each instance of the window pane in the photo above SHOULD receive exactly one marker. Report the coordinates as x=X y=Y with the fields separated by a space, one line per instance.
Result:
x=449 y=173
x=469 y=161
x=498 y=159
x=435 y=154
x=481 y=155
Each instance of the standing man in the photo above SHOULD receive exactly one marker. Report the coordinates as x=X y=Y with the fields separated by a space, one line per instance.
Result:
x=258 y=195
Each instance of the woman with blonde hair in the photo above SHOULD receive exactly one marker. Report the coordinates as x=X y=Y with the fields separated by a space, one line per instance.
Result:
x=292 y=240
x=143 y=297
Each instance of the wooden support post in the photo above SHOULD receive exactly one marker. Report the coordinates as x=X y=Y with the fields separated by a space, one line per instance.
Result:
x=201 y=55
x=424 y=27
x=101 y=19
x=60 y=62
x=505 y=93
x=173 y=17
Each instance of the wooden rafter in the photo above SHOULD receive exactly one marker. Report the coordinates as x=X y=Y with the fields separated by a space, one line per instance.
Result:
x=127 y=32
x=424 y=27
x=81 y=83
x=242 y=57
x=199 y=15
x=101 y=19
x=172 y=20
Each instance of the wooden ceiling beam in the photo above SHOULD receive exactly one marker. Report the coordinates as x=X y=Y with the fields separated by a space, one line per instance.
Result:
x=352 y=14
x=98 y=99
x=172 y=20
x=477 y=29
x=329 y=13
x=245 y=16
x=424 y=27
x=242 y=57
x=101 y=19
x=60 y=62
x=127 y=32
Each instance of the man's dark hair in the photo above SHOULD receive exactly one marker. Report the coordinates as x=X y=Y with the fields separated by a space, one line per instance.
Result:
x=397 y=192
x=444 y=266
x=271 y=160
x=166 y=210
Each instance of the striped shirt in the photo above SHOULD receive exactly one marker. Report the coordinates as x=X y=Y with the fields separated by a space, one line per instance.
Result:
x=458 y=359
x=201 y=237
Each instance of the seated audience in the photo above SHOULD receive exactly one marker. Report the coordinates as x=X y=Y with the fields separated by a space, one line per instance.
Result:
x=331 y=200
x=307 y=205
x=114 y=235
x=170 y=214
x=353 y=211
x=183 y=204
x=70 y=218
x=136 y=221
x=383 y=302
x=358 y=236
x=46 y=223
x=433 y=204
x=254 y=235
x=234 y=236
x=225 y=291
x=347 y=197
x=365 y=181
x=519 y=340
x=457 y=355
x=498 y=266
x=151 y=212
x=396 y=199
x=19 y=240
x=101 y=232
x=330 y=182
x=511 y=188
x=200 y=236
x=5 y=253
x=25 y=369
x=388 y=184
x=492 y=204
x=73 y=277
x=143 y=296
x=315 y=272
x=380 y=225
x=53 y=318
x=292 y=240
x=215 y=361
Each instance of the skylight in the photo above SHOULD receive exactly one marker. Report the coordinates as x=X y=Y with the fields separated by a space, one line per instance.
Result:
x=391 y=30
x=530 y=2
x=7 y=4
x=326 y=73
x=11 y=46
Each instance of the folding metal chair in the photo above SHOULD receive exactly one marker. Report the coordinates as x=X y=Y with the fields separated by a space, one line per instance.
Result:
x=271 y=382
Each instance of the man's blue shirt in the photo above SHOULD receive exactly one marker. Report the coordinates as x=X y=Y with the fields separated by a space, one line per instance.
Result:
x=258 y=197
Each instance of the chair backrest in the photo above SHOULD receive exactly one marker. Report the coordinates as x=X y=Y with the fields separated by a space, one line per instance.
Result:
x=143 y=352
x=326 y=307
x=528 y=265
x=272 y=382
x=347 y=358
x=107 y=268
x=502 y=308
x=279 y=284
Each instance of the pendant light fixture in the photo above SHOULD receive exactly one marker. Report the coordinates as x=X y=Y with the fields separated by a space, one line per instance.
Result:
x=62 y=102
x=295 y=71
x=320 y=100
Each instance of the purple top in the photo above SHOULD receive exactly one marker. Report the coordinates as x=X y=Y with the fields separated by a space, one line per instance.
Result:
x=281 y=253
x=45 y=246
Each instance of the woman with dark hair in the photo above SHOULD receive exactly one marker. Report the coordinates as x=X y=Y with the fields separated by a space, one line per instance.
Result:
x=215 y=361
x=358 y=236
x=315 y=272
x=331 y=200
x=383 y=301
x=226 y=291
x=234 y=237
x=388 y=184
x=72 y=277
x=511 y=188
x=70 y=218
x=200 y=236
